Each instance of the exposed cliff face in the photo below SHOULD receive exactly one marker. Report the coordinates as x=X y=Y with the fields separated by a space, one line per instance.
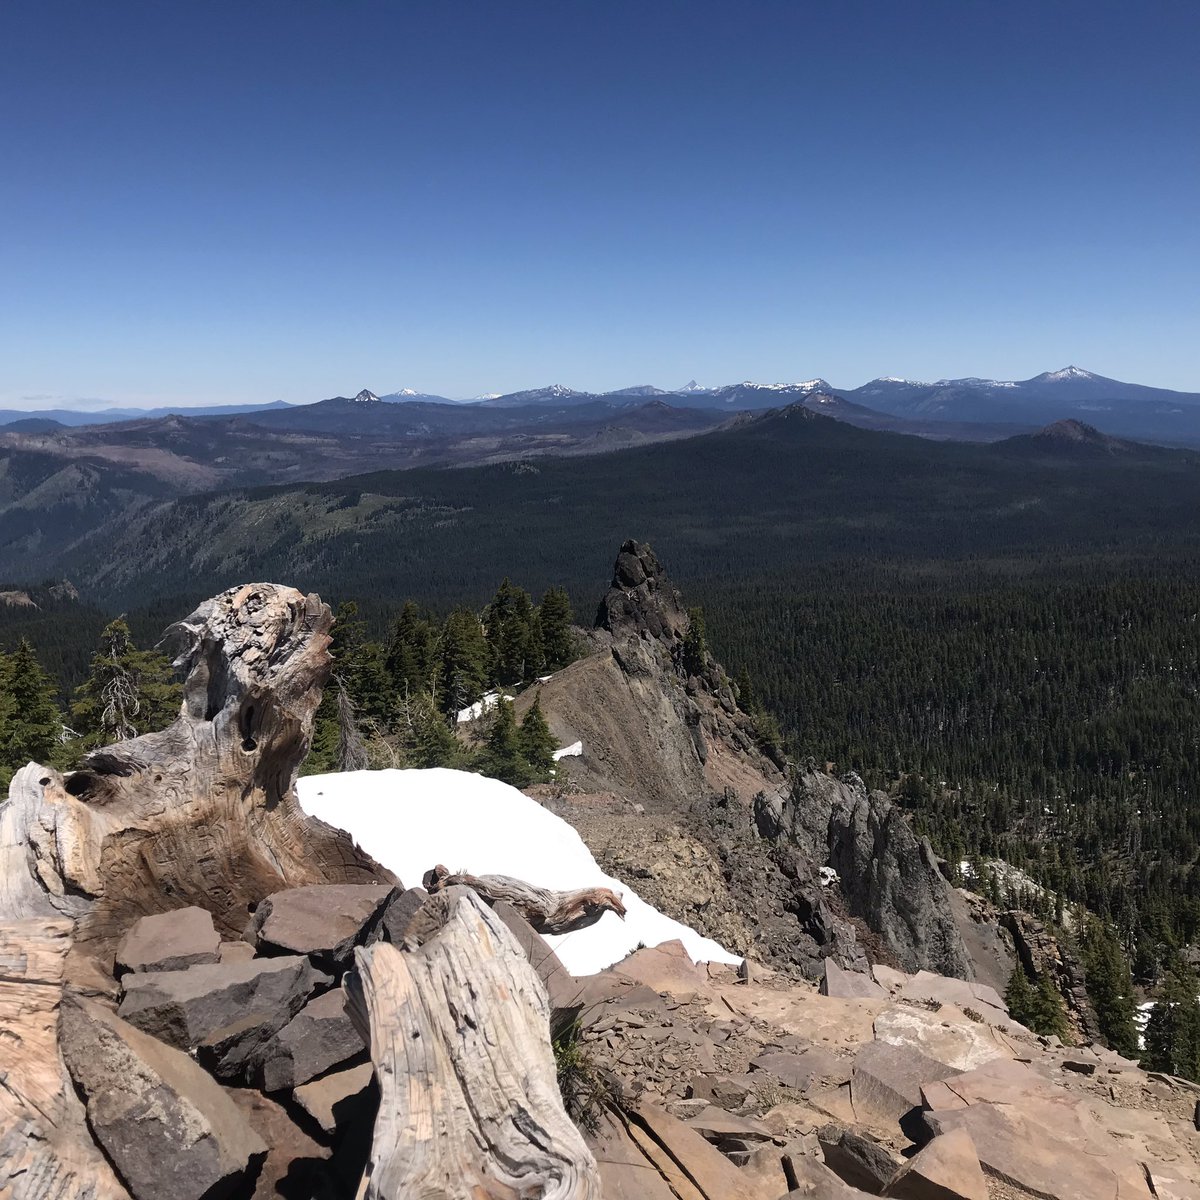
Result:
x=661 y=727
x=886 y=874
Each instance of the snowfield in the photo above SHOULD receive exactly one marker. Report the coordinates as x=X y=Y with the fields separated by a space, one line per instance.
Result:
x=412 y=820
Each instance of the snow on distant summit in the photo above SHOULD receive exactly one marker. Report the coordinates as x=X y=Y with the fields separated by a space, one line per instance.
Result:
x=366 y=397
x=1066 y=373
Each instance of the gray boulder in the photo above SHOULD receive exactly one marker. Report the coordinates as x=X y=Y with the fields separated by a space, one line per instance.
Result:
x=325 y=921
x=320 y=1036
x=184 y=1008
x=168 y=941
x=857 y=1159
x=170 y=1130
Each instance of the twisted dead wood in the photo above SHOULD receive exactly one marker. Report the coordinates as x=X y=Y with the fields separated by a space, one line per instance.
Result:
x=469 y=1102
x=546 y=911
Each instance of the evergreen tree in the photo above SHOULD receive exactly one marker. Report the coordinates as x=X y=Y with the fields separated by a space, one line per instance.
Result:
x=127 y=692
x=1110 y=988
x=1019 y=997
x=695 y=643
x=31 y=726
x=555 y=618
x=412 y=652
x=1049 y=1015
x=507 y=622
x=464 y=662
x=1172 y=1037
x=502 y=757
x=537 y=743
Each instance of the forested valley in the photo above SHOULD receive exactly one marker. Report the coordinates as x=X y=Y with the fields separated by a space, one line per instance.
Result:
x=1009 y=645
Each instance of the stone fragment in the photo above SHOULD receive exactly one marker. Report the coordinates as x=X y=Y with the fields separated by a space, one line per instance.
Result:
x=719 y=1090
x=946 y=1169
x=170 y=1129
x=928 y=987
x=664 y=968
x=889 y=977
x=183 y=1008
x=795 y=1071
x=396 y=918
x=716 y=1125
x=168 y=941
x=339 y=1097
x=857 y=1159
x=231 y=952
x=817 y=1182
x=325 y=921
x=849 y=985
x=291 y=1152
x=320 y=1036
x=947 y=1036
x=887 y=1080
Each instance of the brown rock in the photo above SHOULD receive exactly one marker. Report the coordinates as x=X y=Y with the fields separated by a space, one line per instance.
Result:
x=183 y=1008
x=168 y=941
x=859 y=1160
x=946 y=1169
x=324 y=921
x=231 y=952
x=292 y=1155
x=887 y=1080
x=337 y=1098
x=168 y=1127
x=320 y=1036
x=849 y=985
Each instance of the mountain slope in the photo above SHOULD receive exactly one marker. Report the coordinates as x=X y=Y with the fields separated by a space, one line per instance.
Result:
x=787 y=488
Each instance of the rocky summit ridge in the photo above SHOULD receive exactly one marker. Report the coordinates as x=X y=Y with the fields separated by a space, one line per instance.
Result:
x=206 y=994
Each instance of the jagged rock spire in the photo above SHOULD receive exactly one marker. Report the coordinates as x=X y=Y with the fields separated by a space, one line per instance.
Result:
x=642 y=599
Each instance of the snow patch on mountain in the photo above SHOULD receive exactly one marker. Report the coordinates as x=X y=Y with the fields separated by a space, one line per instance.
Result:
x=366 y=397
x=412 y=820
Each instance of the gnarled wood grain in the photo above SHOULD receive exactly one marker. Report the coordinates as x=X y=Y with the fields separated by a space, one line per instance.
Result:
x=203 y=812
x=546 y=911
x=469 y=1102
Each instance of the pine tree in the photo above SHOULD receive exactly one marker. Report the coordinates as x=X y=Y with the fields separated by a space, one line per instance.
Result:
x=31 y=726
x=464 y=662
x=537 y=743
x=1110 y=988
x=695 y=644
x=502 y=757
x=555 y=617
x=411 y=660
x=1172 y=1039
x=127 y=692
x=1019 y=997
x=1049 y=1015
x=507 y=622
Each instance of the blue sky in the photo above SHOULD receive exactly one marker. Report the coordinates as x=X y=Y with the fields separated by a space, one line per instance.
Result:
x=211 y=202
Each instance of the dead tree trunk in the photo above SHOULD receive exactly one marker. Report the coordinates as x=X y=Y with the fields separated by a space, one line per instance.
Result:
x=546 y=911
x=202 y=813
x=469 y=1102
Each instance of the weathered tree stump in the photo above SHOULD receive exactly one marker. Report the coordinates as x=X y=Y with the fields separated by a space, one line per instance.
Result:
x=469 y=1101
x=546 y=911
x=203 y=812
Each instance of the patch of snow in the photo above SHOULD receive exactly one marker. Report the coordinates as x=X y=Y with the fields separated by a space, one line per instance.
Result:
x=828 y=876
x=1069 y=373
x=366 y=396
x=485 y=704
x=412 y=820
x=545 y=678
x=574 y=750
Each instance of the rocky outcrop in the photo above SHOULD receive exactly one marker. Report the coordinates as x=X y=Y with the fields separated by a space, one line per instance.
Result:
x=885 y=873
x=1040 y=952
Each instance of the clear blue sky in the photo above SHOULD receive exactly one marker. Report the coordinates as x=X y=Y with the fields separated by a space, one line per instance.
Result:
x=212 y=201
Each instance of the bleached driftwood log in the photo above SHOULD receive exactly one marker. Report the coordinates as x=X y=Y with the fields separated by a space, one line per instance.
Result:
x=203 y=812
x=469 y=1102
x=546 y=911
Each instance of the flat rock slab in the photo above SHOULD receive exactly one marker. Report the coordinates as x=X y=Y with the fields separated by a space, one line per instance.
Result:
x=183 y=1008
x=946 y=1169
x=795 y=1071
x=925 y=985
x=715 y=1124
x=168 y=941
x=169 y=1128
x=887 y=1080
x=664 y=968
x=946 y=1036
x=320 y=1036
x=338 y=1098
x=395 y=922
x=849 y=985
x=325 y=921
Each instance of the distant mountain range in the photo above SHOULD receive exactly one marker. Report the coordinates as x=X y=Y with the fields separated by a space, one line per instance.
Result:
x=943 y=408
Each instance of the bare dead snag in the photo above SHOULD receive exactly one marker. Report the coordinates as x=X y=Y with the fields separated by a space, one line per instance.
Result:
x=546 y=911
x=205 y=811
x=469 y=1102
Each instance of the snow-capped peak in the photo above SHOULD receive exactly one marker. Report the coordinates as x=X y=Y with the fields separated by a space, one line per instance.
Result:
x=1068 y=373
x=692 y=386
x=809 y=385
x=365 y=396
x=406 y=392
